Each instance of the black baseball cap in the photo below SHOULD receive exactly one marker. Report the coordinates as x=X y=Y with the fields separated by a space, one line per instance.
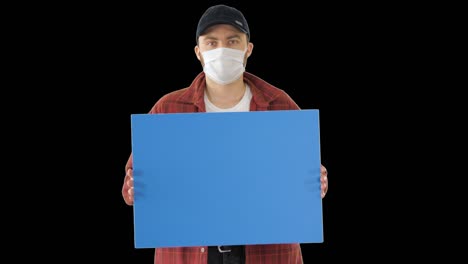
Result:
x=222 y=14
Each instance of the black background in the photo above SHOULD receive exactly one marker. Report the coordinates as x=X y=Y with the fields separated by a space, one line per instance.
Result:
x=98 y=64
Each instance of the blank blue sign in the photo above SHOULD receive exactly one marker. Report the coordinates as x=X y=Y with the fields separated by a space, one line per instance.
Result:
x=236 y=178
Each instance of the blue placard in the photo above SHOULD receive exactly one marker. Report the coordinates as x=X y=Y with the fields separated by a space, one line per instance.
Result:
x=235 y=178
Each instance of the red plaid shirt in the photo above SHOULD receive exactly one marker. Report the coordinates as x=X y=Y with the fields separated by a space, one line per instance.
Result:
x=191 y=99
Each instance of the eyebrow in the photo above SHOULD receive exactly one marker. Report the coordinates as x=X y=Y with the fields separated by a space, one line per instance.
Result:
x=230 y=37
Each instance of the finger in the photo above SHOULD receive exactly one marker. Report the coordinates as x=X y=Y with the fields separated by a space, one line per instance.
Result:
x=130 y=194
x=129 y=182
x=324 y=179
x=130 y=173
x=324 y=186
x=322 y=193
x=323 y=170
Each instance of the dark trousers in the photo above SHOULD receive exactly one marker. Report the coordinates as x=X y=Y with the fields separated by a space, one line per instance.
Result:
x=235 y=256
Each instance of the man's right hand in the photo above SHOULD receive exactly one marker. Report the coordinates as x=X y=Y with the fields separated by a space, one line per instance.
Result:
x=127 y=190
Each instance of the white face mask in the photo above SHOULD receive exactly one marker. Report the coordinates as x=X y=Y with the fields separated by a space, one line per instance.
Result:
x=224 y=65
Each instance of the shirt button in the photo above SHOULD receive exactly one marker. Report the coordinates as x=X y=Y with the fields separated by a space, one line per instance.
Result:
x=202 y=250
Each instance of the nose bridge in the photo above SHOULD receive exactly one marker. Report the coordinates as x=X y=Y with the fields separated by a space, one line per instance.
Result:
x=223 y=43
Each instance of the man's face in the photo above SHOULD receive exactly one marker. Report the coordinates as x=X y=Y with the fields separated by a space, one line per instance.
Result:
x=223 y=36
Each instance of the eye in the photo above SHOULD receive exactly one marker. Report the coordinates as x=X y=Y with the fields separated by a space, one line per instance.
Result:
x=211 y=43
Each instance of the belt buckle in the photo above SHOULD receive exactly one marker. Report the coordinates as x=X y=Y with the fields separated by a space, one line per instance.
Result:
x=223 y=250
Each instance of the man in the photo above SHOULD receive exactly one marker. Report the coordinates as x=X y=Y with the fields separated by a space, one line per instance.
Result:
x=223 y=46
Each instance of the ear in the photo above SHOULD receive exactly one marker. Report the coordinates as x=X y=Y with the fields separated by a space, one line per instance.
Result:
x=250 y=47
x=197 y=52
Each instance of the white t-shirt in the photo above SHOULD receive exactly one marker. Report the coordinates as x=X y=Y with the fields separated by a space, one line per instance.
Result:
x=242 y=106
